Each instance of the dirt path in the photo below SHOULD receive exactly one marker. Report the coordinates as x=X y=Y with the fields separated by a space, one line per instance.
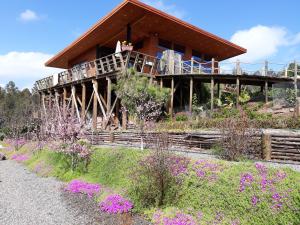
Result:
x=26 y=199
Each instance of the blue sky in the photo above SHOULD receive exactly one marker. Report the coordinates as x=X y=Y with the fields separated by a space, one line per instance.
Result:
x=33 y=30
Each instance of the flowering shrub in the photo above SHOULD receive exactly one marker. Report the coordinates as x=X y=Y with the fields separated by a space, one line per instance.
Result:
x=15 y=143
x=115 y=204
x=78 y=186
x=176 y=218
x=207 y=170
x=267 y=184
x=20 y=158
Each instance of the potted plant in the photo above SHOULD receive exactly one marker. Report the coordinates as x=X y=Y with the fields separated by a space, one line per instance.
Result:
x=126 y=46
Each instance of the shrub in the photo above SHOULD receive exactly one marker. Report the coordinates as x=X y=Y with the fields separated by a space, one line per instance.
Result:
x=158 y=177
x=181 y=117
x=238 y=138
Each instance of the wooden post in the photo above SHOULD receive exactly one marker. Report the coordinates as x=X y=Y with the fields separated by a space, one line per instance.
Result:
x=237 y=91
x=297 y=108
x=238 y=67
x=43 y=103
x=95 y=106
x=266 y=141
x=212 y=84
x=161 y=83
x=64 y=101
x=50 y=99
x=124 y=119
x=266 y=68
x=172 y=97
x=295 y=78
x=83 y=102
x=191 y=94
x=192 y=65
x=219 y=90
x=108 y=100
x=266 y=91
x=212 y=66
x=72 y=99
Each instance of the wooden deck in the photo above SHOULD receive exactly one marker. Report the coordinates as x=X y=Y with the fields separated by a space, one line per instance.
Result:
x=117 y=63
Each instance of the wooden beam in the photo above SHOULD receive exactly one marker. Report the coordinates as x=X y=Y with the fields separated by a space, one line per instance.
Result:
x=95 y=86
x=108 y=94
x=95 y=105
x=191 y=94
x=64 y=101
x=83 y=101
x=89 y=104
x=50 y=99
x=57 y=102
x=43 y=103
x=110 y=113
x=212 y=84
x=266 y=92
x=237 y=91
x=74 y=102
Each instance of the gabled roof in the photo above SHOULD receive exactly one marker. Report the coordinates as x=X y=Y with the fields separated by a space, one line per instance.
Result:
x=145 y=19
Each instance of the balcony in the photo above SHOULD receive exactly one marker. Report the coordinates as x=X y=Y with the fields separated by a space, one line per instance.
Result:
x=151 y=66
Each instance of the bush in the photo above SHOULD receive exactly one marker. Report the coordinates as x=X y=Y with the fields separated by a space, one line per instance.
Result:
x=181 y=117
x=238 y=138
x=157 y=179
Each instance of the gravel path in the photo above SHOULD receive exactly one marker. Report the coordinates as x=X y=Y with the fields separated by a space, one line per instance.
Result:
x=26 y=199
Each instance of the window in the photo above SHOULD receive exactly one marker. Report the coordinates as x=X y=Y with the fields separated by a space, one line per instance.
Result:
x=179 y=49
x=164 y=44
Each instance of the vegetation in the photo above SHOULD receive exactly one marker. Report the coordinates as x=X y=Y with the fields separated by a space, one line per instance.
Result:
x=17 y=111
x=207 y=191
x=141 y=98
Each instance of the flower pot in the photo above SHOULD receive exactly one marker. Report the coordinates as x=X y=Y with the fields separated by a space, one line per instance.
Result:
x=127 y=47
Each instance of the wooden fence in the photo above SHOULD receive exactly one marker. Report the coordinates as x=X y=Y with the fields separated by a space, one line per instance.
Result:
x=280 y=146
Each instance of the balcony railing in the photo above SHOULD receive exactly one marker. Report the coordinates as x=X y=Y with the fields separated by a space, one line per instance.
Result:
x=152 y=66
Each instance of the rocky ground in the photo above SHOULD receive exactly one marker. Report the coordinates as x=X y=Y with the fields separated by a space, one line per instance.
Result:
x=27 y=199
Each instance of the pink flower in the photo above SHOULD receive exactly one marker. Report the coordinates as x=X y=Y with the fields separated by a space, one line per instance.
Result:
x=115 y=204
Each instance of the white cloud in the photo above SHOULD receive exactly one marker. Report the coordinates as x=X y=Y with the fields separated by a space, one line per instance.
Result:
x=168 y=8
x=28 y=15
x=263 y=42
x=24 y=68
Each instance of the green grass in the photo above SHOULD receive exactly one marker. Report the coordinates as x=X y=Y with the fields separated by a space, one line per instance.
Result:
x=112 y=168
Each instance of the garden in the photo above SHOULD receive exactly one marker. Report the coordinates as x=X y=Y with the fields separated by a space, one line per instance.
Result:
x=167 y=188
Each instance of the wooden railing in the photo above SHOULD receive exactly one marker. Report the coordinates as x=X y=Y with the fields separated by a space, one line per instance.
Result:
x=153 y=66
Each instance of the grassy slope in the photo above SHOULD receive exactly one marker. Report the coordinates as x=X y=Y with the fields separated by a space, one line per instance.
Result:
x=112 y=168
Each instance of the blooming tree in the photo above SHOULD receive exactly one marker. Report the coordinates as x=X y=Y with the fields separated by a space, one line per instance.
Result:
x=64 y=130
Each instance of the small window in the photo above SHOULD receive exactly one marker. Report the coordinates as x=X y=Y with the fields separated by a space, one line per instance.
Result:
x=159 y=55
x=179 y=48
x=164 y=44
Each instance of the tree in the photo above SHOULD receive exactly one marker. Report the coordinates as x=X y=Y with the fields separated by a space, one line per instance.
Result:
x=141 y=98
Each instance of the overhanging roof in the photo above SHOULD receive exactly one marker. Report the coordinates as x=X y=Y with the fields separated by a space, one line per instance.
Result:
x=145 y=19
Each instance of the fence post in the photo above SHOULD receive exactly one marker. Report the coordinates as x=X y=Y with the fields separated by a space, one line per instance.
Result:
x=192 y=65
x=212 y=65
x=295 y=78
x=238 y=67
x=286 y=72
x=266 y=140
x=266 y=68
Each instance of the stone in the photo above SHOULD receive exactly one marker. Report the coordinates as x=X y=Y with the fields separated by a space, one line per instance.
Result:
x=2 y=156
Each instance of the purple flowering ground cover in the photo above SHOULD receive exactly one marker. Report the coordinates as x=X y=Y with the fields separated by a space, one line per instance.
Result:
x=211 y=191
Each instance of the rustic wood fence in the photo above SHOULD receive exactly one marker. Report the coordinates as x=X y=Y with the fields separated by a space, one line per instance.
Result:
x=277 y=146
